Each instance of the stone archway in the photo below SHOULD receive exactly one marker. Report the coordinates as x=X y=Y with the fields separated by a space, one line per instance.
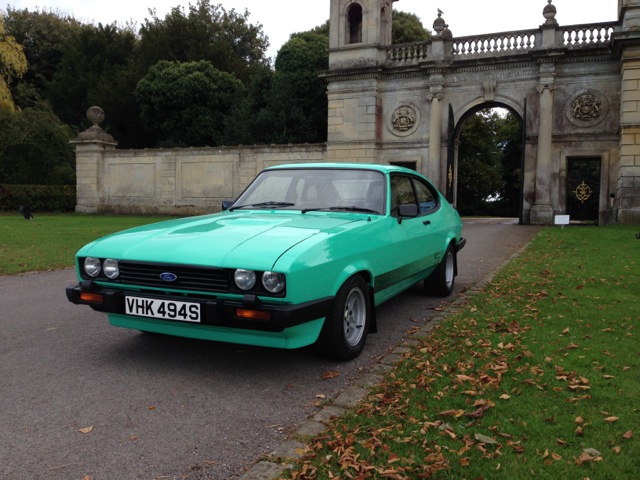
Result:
x=505 y=160
x=575 y=89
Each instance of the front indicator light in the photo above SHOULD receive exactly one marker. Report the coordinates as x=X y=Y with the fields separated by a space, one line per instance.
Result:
x=91 y=297
x=253 y=314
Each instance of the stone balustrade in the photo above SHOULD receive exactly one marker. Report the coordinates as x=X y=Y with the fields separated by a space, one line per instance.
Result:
x=587 y=35
x=496 y=44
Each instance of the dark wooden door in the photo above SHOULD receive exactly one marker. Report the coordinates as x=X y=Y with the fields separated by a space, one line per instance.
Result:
x=583 y=189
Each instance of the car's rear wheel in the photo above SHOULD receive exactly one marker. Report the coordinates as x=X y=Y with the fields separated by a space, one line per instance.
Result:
x=442 y=280
x=344 y=332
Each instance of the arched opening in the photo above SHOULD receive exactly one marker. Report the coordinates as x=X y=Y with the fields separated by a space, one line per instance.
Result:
x=354 y=24
x=490 y=162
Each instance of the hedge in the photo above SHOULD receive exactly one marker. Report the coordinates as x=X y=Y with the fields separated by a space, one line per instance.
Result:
x=38 y=198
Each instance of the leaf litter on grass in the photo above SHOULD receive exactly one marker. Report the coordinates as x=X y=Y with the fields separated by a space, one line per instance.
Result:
x=536 y=376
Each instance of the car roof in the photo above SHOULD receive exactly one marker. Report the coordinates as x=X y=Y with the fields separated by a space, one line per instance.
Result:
x=345 y=166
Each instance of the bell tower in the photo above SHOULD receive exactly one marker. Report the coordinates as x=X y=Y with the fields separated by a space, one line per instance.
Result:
x=357 y=30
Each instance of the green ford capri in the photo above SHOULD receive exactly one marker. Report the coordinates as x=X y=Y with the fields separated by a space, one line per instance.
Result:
x=302 y=257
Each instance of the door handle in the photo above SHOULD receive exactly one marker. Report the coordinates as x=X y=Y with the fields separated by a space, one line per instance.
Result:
x=427 y=222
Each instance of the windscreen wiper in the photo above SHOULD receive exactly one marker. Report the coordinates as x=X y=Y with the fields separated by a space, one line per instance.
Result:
x=349 y=208
x=263 y=205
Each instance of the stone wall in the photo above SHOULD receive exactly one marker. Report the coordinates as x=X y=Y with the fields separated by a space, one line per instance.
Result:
x=173 y=181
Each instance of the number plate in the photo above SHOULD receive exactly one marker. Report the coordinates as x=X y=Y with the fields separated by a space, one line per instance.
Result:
x=165 y=309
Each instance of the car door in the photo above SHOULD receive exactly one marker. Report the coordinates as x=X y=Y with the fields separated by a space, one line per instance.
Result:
x=418 y=241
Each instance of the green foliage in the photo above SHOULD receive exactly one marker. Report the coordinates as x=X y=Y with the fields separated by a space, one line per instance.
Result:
x=38 y=198
x=13 y=64
x=44 y=36
x=407 y=28
x=489 y=164
x=35 y=149
x=96 y=60
x=208 y=32
x=535 y=377
x=299 y=101
x=186 y=104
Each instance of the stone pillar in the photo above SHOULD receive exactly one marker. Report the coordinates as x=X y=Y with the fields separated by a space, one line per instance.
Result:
x=90 y=147
x=542 y=212
x=435 y=138
x=627 y=194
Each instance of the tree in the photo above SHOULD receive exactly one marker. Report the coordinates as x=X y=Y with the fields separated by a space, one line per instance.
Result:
x=479 y=163
x=187 y=104
x=43 y=35
x=35 y=149
x=13 y=64
x=508 y=136
x=299 y=101
x=407 y=28
x=489 y=171
x=206 y=32
x=97 y=61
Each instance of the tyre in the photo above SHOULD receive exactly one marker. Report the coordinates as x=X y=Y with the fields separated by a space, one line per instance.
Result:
x=344 y=332
x=441 y=281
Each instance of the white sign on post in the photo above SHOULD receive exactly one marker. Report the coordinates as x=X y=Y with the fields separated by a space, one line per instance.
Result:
x=562 y=220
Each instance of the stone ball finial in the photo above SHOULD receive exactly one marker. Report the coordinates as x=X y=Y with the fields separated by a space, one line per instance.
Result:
x=96 y=116
x=549 y=12
x=439 y=24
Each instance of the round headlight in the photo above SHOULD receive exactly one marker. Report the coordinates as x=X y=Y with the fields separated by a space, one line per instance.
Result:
x=273 y=282
x=92 y=266
x=111 y=268
x=245 y=279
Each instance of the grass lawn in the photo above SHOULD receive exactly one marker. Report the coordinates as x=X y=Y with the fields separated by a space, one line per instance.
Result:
x=536 y=377
x=49 y=242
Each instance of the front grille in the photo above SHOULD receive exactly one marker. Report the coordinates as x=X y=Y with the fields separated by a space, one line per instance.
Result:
x=206 y=279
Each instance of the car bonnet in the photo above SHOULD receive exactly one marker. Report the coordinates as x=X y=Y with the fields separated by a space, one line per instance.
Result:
x=231 y=239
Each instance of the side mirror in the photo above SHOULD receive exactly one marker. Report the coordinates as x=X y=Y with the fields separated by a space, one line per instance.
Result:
x=226 y=204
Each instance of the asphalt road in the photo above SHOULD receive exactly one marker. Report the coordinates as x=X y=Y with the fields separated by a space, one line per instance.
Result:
x=81 y=399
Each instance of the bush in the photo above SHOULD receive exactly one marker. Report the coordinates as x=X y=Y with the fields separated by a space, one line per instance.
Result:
x=39 y=198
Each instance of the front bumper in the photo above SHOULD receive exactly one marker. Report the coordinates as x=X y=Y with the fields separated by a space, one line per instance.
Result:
x=214 y=312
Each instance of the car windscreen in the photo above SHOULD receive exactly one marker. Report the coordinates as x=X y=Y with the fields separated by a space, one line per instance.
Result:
x=309 y=189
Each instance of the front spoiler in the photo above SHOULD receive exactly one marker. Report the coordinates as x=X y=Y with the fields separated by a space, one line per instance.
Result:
x=215 y=312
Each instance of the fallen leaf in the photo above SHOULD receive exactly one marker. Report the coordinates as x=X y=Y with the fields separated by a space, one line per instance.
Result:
x=452 y=413
x=86 y=430
x=465 y=462
x=328 y=374
x=611 y=419
x=592 y=451
x=627 y=435
x=504 y=396
x=485 y=439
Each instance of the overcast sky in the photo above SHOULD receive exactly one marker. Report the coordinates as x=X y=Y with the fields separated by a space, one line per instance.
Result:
x=280 y=18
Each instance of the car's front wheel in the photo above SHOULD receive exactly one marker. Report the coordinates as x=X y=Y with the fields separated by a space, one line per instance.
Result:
x=344 y=332
x=441 y=281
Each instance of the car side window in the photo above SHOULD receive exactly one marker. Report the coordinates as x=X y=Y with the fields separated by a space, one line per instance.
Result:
x=427 y=201
x=401 y=193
